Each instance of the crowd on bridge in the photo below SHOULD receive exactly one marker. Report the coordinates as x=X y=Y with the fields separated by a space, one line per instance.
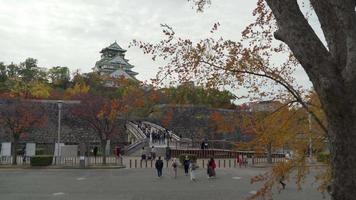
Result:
x=156 y=135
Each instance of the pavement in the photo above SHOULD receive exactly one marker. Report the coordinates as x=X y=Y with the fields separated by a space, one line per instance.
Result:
x=138 y=184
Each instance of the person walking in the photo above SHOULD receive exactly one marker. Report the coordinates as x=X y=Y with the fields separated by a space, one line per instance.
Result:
x=211 y=168
x=95 y=151
x=143 y=154
x=281 y=181
x=174 y=167
x=159 y=166
x=186 y=164
x=153 y=153
x=193 y=166
x=240 y=160
x=24 y=154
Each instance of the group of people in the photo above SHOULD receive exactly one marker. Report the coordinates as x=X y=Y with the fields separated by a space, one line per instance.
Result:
x=190 y=167
x=148 y=154
x=241 y=160
x=158 y=136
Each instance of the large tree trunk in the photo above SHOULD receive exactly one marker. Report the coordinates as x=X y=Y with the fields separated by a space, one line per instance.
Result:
x=14 y=152
x=342 y=137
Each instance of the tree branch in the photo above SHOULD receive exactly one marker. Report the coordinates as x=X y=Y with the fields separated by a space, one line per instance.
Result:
x=333 y=32
x=281 y=82
x=306 y=46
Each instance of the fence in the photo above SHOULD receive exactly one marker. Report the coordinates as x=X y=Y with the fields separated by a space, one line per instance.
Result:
x=202 y=163
x=66 y=161
x=7 y=160
x=219 y=153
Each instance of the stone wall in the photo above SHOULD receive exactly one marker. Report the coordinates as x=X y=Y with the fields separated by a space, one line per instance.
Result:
x=71 y=131
x=194 y=121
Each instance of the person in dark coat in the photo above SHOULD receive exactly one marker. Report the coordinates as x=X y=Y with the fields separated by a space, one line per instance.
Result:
x=95 y=151
x=186 y=164
x=159 y=166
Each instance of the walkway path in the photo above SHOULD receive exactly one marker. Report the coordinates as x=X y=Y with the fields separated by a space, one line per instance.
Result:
x=136 y=184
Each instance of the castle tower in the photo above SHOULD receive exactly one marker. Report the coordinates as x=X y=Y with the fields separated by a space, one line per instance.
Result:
x=113 y=63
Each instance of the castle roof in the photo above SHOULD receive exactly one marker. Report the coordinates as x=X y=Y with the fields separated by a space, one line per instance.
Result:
x=115 y=47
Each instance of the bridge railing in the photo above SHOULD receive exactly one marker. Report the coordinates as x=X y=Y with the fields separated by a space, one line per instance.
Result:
x=137 y=132
x=174 y=136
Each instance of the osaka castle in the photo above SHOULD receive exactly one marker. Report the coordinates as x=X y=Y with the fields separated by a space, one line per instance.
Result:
x=114 y=64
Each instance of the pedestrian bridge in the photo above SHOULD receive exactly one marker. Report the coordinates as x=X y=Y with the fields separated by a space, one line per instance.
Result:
x=147 y=134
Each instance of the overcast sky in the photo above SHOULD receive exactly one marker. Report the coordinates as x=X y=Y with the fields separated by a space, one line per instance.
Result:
x=72 y=32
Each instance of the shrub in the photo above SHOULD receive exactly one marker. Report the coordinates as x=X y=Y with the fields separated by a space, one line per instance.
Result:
x=191 y=157
x=323 y=157
x=43 y=160
x=40 y=152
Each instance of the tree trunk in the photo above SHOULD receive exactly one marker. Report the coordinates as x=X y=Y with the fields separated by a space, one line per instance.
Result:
x=14 y=152
x=103 y=146
x=342 y=137
x=269 y=153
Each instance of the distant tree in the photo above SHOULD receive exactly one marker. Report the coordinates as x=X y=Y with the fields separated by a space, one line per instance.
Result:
x=98 y=114
x=59 y=76
x=101 y=114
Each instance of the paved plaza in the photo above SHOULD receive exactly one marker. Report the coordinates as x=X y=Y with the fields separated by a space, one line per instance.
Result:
x=136 y=184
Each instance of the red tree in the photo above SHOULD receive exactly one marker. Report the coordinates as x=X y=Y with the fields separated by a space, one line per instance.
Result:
x=19 y=118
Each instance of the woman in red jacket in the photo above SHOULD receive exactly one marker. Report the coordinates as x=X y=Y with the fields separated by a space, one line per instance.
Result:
x=211 y=168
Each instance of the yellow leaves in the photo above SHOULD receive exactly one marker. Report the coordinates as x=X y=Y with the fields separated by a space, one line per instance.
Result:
x=276 y=129
x=40 y=90
x=33 y=89
x=78 y=88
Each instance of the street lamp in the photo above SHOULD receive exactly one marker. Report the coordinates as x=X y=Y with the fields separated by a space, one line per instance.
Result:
x=59 y=103
x=310 y=138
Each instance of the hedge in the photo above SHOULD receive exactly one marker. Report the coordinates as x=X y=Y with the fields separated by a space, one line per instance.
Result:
x=43 y=160
x=323 y=157
x=191 y=157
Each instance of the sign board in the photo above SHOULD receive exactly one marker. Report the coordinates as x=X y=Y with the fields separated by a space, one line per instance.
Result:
x=56 y=148
x=5 y=149
x=30 y=149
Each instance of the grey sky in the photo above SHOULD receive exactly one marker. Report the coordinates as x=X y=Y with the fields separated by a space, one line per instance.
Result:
x=72 y=32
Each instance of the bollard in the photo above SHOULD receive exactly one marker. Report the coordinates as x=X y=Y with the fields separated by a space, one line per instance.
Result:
x=229 y=163
x=224 y=163
x=135 y=163
x=130 y=164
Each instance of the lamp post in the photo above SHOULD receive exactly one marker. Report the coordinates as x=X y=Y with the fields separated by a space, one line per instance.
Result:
x=310 y=138
x=59 y=103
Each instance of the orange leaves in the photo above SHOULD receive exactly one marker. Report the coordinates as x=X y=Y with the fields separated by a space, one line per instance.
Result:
x=223 y=124
x=167 y=118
